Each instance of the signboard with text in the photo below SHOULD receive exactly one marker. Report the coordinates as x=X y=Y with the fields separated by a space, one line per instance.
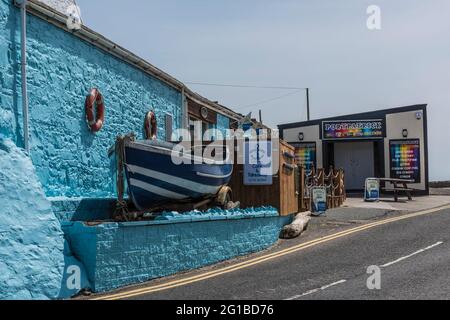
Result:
x=258 y=163
x=306 y=155
x=318 y=200
x=353 y=129
x=405 y=159
x=372 y=192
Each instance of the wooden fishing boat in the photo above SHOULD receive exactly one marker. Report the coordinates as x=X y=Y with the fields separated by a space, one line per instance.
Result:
x=156 y=173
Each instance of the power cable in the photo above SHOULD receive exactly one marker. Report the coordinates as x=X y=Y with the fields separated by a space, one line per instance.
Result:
x=297 y=90
x=269 y=100
x=243 y=86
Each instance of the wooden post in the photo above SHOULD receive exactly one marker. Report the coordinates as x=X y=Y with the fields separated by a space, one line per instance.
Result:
x=344 y=194
x=302 y=189
x=340 y=193
x=321 y=177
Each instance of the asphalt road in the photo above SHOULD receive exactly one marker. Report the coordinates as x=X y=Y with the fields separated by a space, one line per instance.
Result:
x=416 y=253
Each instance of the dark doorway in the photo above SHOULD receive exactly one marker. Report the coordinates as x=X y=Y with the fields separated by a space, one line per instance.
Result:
x=360 y=160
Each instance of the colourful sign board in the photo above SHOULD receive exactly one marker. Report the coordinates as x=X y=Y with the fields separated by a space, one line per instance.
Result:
x=372 y=192
x=258 y=163
x=306 y=155
x=353 y=129
x=405 y=159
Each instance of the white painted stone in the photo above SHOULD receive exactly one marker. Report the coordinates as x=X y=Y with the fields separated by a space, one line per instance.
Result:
x=59 y=5
x=296 y=228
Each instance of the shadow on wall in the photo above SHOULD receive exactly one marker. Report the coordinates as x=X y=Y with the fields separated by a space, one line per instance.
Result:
x=87 y=138
x=13 y=56
x=81 y=209
x=74 y=277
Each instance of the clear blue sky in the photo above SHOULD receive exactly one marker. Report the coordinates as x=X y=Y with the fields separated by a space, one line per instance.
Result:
x=321 y=44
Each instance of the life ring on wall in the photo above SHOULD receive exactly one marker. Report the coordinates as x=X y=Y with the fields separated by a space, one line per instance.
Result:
x=150 y=127
x=95 y=118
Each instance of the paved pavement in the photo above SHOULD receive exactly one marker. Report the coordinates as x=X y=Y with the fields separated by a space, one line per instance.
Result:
x=388 y=203
x=440 y=191
x=416 y=252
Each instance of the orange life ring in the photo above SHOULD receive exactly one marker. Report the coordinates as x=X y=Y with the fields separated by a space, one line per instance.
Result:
x=95 y=118
x=150 y=127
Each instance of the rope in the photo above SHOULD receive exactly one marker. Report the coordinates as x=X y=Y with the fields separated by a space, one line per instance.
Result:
x=121 y=212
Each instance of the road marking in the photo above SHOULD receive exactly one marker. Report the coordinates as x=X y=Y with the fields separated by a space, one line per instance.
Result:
x=412 y=254
x=258 y=260
x=317 y=290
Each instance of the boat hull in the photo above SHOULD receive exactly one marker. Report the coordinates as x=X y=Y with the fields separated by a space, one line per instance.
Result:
x=153 y=177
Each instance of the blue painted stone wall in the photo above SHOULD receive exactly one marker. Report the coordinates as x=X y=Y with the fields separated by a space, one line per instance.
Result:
x=70 y=161
x=69 y=164
x=32 y=260
x=82 y=209
x=223 y=123
x=118 y=254
x=219 y=130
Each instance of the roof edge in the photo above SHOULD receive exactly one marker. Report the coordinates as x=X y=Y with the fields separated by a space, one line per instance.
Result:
x=361 y=114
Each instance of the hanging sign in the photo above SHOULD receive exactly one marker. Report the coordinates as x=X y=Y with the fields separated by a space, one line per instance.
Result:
x=405 y=159
x=246 y=123
x=318 y=200
x=306 y=155
x=353 y=129
x=372 y=192
x=258 y=163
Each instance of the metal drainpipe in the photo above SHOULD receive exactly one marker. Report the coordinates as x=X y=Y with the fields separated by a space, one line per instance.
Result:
x=26 y=136
x=185 y=122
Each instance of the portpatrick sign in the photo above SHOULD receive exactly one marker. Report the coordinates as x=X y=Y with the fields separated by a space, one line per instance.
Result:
x=353 y=129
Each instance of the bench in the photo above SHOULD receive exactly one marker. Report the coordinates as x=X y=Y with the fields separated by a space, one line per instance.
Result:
x=399 y=186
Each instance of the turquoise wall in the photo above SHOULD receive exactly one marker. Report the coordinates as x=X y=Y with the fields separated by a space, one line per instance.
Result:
x=119 y=254
x=71 y=161
x=223 y=123
x=70 y=164
x=34 y=257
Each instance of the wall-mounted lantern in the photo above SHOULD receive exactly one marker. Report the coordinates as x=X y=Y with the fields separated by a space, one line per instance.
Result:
x=301 y=136
x=419 y=115
x=204 y=112
x=405 y=133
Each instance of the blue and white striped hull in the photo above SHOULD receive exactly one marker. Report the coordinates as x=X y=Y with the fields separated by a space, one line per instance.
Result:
x=153 y=179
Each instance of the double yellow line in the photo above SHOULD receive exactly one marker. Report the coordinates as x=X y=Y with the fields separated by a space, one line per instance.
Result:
x=258 y=260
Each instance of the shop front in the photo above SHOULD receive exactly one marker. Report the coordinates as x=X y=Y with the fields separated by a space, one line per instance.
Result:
x=388 y=143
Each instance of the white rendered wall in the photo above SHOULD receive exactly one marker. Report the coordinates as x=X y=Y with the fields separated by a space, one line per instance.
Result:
x=311 y=134
x=395 y=123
